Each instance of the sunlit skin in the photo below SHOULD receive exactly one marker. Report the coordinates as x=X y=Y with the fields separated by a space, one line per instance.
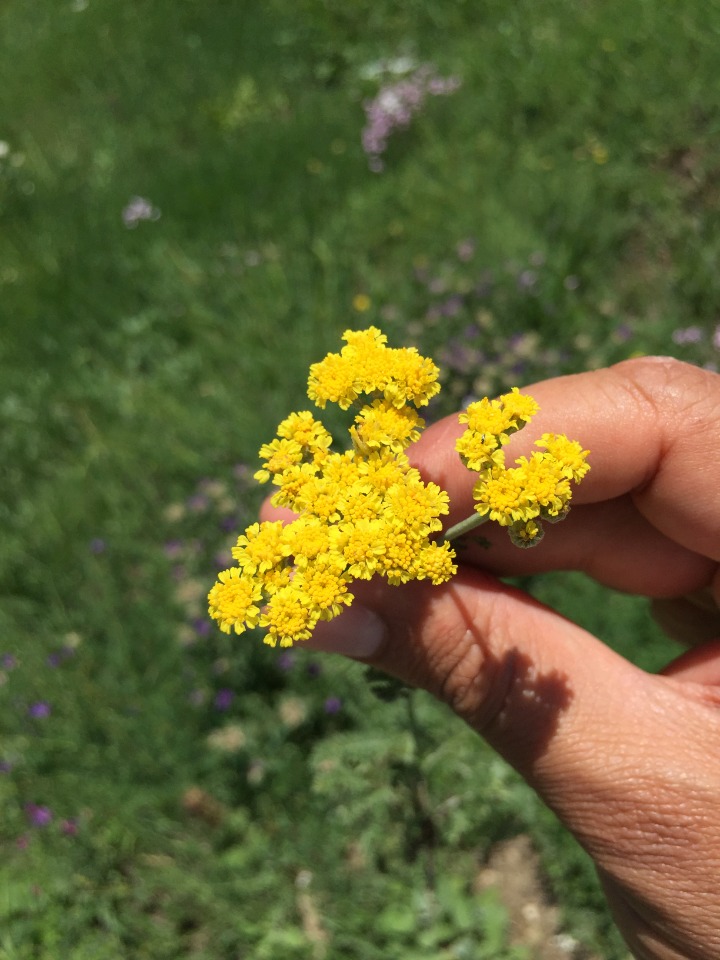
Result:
x=628 y=760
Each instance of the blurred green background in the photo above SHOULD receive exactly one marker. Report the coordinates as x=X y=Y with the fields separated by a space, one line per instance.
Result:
x=195 y=200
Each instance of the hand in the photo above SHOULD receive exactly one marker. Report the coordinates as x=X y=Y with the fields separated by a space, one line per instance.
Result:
x=629 y=761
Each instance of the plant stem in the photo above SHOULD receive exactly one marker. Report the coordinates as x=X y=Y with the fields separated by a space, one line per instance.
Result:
x=465 y=526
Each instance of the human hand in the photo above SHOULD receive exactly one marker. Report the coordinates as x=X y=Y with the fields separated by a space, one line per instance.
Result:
x=629 y=761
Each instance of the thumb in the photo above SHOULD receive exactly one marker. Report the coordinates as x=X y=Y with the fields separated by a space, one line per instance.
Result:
x=604 y=743
x=520 y=674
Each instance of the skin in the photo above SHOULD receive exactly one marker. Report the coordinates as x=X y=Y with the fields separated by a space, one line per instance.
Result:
x=629 y=761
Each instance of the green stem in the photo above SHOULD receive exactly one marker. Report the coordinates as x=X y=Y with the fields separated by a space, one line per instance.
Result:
x=465 y=526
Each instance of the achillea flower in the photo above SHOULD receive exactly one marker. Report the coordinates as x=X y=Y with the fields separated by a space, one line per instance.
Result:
x=362 y=511
x=365 y=511
x=535 y=489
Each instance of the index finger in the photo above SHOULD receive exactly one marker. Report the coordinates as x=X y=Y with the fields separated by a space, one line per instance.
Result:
x=647 y=516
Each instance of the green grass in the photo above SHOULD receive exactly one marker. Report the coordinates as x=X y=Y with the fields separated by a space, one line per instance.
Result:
x=138 y=363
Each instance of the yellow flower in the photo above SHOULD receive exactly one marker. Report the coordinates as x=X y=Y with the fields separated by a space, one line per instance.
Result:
x=416 y=505
x=361 y=302
x=287 y=617
x=302 y=428
x=366 y=366
x=279 y=455
x=324 y=587
x=435 y=562
x=332 y=379
x=233 y=601
x=306 y=539
x=520 y=407
x=361 y=544
x=569 y=454
x=501 y=497
x=383 y=425
x=480 y=451
x=366 y=511
x=525 y=533
x=259 y=549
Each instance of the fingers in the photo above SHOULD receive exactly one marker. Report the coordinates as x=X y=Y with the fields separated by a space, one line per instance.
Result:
x=628 y=761
x=651 y=497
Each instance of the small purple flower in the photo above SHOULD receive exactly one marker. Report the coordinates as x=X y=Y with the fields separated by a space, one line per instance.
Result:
x=5 y=766
x=333 y=705
x=687 y=335
x=139 y=208
x=39 y=710
x=395 y=105
x=526 y=280
x=8 y=661
x=97 y=546
x=69 y=827
x=223 y=559
x=198 y=503
x=229 y=523
x=173 y=549
x=38 y=816
x=286 y=661
x=54 y=660
x=314 y=669
x=201 y=626
x=623 y=333
x=465 y=250
x=223 y=699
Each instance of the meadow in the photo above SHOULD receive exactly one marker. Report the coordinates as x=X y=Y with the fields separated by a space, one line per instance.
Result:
x=195 y=201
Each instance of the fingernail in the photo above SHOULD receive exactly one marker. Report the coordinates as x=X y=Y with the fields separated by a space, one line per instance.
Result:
x=358 y=632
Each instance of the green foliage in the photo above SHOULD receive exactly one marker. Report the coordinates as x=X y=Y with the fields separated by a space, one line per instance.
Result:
x=166 y=792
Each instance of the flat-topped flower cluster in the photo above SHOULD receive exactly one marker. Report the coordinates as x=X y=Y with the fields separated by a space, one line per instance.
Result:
x=535 y=489
x=365 y=511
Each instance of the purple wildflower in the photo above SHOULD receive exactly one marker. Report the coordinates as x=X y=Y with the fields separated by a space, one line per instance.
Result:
x=69 y=827
x=139 y=208
x=687 y=335
x=223 y=699
x=394 y=107
x=8 y=661
x=38 y=816
x=198 y=503
x=286 y=661
x=39 y=710
x=173 y=549
x=5 y=766
x=97 y=545
x=333 y=705
x=201 y=626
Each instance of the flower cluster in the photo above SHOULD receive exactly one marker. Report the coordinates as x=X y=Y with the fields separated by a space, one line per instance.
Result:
x=365 y=511
x=535 y=489
x=396 y=104
x=360 y=512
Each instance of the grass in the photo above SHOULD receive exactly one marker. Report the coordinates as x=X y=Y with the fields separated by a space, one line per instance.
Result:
x=142 y=368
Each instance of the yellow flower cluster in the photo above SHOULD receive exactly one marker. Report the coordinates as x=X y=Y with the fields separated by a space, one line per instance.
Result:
x=535 y=489
x=360 y=513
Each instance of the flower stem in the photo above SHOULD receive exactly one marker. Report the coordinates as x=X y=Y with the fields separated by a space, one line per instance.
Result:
x=465 y=526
